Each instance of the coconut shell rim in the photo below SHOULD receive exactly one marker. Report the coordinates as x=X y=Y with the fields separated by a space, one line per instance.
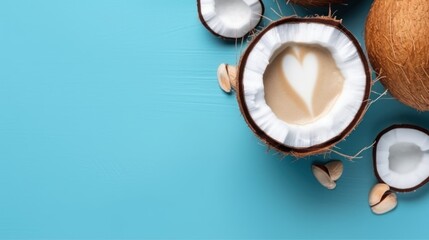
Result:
x=374 y=155
x=203 y=21
x=322 y=147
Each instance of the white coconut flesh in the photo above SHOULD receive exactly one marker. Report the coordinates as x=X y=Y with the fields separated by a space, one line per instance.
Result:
x=231 y=18
x=341 y=113
x=402 y=158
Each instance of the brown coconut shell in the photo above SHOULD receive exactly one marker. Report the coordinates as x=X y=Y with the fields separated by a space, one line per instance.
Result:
x=272 y=143
x=316 y=3
x=397 y=41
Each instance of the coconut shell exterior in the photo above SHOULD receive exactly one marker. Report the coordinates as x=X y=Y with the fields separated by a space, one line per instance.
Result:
x=317 y=149
x=316 y=3
x=397 y=41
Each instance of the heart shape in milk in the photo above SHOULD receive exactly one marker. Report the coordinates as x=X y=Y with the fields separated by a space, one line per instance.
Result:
x=302 y=76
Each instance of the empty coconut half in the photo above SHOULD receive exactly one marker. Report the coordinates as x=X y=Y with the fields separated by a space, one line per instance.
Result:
x=303 y=84
x=401 y=157
x=230 y=19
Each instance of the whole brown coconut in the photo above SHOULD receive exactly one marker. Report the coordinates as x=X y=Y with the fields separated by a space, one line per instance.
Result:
x=316 y=3
x=397 y=41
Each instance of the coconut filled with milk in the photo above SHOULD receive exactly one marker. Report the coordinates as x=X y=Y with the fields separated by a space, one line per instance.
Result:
x=303 y=84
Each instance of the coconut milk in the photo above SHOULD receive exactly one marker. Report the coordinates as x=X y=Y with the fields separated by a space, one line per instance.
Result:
x=302 y=83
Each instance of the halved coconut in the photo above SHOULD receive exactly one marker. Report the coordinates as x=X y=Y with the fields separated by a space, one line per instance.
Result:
x=287 y=131
x=230 y=19
x=401 y=157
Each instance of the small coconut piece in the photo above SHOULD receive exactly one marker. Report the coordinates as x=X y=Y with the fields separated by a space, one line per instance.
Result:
x=335 y=169
x=227 y=77
x=381 y=199
x=230 y=19
x=223 y=78
x=322 y=175
x=328 y=174
x=401 y=157
x=316 y=3
x=396 y=36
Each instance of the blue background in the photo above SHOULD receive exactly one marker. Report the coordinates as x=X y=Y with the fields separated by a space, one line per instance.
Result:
x=112 y=125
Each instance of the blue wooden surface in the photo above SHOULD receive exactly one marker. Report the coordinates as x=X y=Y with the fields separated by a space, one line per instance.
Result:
x=112 y=125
